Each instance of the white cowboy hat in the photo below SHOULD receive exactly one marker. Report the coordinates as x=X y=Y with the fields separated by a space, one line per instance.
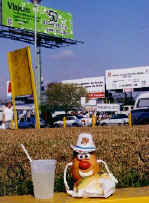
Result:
x=84 y=143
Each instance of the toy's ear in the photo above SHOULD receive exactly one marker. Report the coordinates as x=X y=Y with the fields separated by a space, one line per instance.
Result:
x=74 y=154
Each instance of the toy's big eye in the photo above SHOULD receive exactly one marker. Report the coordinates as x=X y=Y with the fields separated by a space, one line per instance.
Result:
x=80 y=156
x=87 y=156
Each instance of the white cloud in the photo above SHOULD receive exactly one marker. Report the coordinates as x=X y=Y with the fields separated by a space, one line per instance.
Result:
x=64 y=54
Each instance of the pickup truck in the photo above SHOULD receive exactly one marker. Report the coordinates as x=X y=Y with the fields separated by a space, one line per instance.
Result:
x=140 y=113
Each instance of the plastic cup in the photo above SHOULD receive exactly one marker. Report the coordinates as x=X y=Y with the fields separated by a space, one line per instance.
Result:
x=43 y=173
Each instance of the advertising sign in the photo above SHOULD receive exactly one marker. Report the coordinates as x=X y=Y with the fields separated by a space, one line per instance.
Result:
x=83 y=101
x=0 y=12
x=108 y=108
x=95 y=86
x=20 y=14
x=96 y=95
x=129 y=78
x=128 y=90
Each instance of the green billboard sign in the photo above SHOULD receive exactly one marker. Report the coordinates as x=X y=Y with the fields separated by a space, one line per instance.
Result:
x=20 y=14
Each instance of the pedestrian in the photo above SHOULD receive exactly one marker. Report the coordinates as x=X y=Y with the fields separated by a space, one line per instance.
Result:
x=28 y=115
x=7 y=116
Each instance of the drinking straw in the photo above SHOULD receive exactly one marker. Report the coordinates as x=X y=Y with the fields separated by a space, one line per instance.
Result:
x=27 y=154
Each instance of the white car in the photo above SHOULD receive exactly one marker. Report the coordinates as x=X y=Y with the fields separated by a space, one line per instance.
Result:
x=117 y=119
x=85 y=120
x=71 y=121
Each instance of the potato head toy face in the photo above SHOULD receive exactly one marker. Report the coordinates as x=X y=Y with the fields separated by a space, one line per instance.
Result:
x=84 y=164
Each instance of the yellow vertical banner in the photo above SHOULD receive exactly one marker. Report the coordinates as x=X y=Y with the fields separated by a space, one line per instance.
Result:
x=22 y=78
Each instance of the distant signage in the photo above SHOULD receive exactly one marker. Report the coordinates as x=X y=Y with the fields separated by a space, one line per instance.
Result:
x=9 y=93
x=96 y=95
x=95 y=86
x=128 y=90
x=108 y=108
x=91 y=102
x=20 y=14
x=128 y=78
x=83 y=101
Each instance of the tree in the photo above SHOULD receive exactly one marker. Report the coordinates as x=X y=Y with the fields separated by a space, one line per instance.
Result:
x=64 y=96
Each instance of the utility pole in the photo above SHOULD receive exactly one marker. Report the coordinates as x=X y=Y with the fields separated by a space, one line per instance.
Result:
x=37 y=52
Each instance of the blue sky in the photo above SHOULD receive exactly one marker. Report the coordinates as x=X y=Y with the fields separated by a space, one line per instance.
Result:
x=115 y=35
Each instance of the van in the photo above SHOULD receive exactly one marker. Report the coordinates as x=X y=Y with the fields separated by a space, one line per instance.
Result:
x=142 y=101
x=140 y=113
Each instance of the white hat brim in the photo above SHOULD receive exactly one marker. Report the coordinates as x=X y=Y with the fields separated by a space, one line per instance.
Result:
x=82 y=149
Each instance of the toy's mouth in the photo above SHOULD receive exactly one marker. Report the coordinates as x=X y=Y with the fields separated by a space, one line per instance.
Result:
x=85 y=174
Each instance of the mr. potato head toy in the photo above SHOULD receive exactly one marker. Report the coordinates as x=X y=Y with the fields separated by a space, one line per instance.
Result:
x=85 y=171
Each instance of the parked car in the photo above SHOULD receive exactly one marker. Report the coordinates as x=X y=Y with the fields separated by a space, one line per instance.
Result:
x=30 y=123
x=116 y=119
x=85 y=120
x=71 y=121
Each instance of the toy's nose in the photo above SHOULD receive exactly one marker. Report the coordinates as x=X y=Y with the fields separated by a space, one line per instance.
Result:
x=84 y=165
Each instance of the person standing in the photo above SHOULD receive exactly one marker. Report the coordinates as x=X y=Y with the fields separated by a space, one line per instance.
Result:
x=7 y=116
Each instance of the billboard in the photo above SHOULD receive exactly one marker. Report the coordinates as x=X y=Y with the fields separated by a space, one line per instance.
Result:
x=20 y=14
x=129 y=78
x=0 y=12
x=95 y=86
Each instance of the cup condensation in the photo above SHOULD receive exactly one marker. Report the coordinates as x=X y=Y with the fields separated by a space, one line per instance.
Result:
x=43 y=174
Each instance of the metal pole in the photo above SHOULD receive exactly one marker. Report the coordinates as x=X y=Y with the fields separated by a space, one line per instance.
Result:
x=37 y=53
x=38 y=76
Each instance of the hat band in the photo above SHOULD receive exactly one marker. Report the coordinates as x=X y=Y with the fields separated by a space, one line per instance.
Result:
x=85 y=147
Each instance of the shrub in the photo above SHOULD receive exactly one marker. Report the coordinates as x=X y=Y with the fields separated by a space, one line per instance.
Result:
x=124 y=149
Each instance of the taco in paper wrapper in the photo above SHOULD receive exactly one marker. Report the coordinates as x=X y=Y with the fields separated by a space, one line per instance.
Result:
x=95 y=186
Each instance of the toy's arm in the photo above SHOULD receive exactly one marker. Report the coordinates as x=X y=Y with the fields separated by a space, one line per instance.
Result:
x=109 y=173
x=65 y=173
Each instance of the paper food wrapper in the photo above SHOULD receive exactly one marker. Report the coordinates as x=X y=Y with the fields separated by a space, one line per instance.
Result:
x=94 y=186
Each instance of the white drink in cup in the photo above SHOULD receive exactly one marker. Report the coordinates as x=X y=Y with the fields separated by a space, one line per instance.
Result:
x=43 y=173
